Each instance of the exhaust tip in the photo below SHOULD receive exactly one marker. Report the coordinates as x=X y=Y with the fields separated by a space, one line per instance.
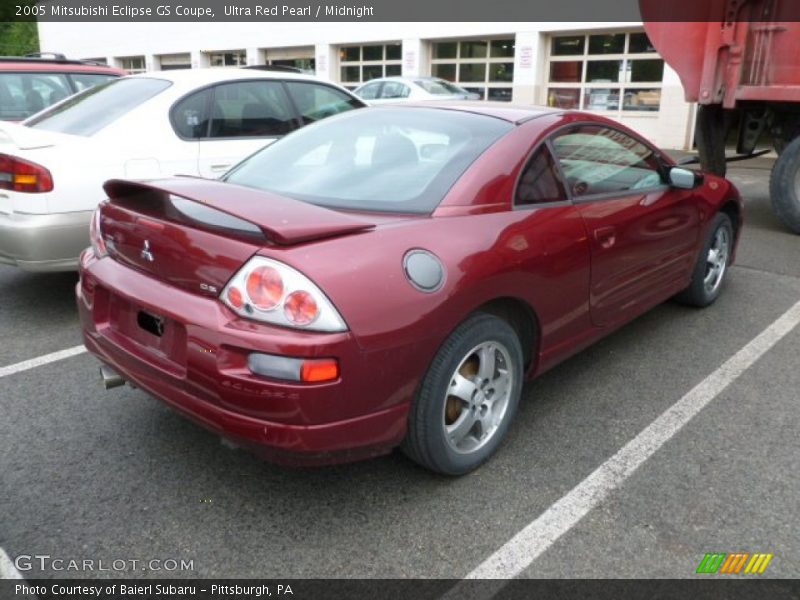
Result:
x=110 y=377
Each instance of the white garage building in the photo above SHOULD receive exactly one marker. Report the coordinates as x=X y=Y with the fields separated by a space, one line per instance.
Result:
x=610 y=68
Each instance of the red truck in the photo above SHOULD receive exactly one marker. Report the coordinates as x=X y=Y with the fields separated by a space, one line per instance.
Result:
x=740 y=61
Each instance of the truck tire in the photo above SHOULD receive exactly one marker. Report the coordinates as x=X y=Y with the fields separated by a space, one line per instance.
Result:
x=784 y=186
x=788 y=128
x=710 y=134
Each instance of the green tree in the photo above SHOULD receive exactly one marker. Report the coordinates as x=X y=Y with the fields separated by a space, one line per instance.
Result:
x=18 y=38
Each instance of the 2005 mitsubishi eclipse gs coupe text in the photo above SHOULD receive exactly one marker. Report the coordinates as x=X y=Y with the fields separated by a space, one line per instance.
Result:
x=389 y=276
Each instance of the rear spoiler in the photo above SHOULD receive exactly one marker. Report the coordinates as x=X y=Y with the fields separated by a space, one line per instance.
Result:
x=283 y=220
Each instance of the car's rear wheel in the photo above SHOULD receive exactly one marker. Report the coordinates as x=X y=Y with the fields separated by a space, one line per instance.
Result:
x=712 y=264
x=468 y=397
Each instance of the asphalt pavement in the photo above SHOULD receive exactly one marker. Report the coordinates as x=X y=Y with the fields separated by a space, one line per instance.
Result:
x=90 y=474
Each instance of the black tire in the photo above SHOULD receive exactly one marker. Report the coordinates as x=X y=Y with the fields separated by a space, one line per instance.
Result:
x=427 y=441
x=784 y=186
x=711 y=129
x=698 y=294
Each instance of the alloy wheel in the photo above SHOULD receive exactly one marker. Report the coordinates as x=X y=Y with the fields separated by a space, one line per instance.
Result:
x=478 y=397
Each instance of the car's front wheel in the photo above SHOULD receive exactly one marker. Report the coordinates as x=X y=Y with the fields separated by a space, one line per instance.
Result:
x=712 y=264
x=468 y=398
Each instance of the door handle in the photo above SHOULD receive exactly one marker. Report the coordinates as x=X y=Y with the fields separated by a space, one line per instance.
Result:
x=220 y=167
x=606 y=237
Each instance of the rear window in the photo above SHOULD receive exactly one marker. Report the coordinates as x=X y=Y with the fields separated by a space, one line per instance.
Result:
x=315 y=101
x=380 y=159
x=439 y=87
x=24 y=94
x=84 y=81
x=88 y=112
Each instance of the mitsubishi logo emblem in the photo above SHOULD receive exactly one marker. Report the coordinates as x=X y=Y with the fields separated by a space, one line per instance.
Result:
x=146 y=254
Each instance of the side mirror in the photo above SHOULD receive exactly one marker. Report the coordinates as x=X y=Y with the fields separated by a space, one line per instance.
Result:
x=685 y=179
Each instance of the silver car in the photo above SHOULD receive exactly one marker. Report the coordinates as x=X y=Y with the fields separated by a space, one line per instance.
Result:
x=411 y=89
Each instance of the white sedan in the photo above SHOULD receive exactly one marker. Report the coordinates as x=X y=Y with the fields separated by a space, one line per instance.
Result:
x=195 y=122
x=411 y=89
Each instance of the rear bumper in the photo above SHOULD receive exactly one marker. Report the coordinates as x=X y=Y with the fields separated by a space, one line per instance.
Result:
x=298 y=445
x=205 y=376
x=50 y=242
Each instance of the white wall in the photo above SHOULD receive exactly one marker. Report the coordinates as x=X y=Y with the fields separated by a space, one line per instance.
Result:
x=669 y=127
x=126 y=39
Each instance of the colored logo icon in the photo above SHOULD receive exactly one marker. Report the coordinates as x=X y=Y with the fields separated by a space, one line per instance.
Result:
x=735 y=563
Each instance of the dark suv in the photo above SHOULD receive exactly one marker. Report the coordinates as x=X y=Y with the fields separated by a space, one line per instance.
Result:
x=30 y=83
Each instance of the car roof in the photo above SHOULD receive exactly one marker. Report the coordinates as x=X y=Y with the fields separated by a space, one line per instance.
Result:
x=513 y=113
x=401 y=78
x=22 y=64
x=404 y=78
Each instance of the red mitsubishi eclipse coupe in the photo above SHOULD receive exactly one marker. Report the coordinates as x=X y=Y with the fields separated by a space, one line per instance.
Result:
x=390 y=276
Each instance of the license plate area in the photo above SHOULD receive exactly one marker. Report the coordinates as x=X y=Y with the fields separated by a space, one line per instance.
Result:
x=152 y=333
x=150 y=323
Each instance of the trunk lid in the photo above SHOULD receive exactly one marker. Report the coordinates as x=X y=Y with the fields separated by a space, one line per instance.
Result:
x=196 y=233
x=15 y=136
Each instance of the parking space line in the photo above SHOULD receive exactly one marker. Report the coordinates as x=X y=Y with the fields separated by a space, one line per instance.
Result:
x=527 y=545
x=41 y=360
x=7 y=569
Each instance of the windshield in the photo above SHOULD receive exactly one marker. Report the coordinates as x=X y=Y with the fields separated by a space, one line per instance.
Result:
x=88 y=112
x=440 y=87
x=389 y=159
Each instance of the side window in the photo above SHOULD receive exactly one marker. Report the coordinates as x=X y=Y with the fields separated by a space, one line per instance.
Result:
x=24 y=94
x=601 y=160
x=395 y=89
x=315 y=101
x=250 y=109
x=12 y=98
x=539 y=182
x=190 y=115
x=49 y=88
x=370 y=91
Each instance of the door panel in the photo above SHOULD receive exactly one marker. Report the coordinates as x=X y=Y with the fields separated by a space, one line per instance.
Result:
x=216 y=157
x=642 y=233
x=641 y=245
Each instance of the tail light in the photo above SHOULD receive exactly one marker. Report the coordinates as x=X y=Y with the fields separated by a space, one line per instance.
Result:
x=96 y=235
x=265 y=287
x=21 y=175
x=300 y=307
x=319 y=369
x=273 y=292
x=307 y=370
